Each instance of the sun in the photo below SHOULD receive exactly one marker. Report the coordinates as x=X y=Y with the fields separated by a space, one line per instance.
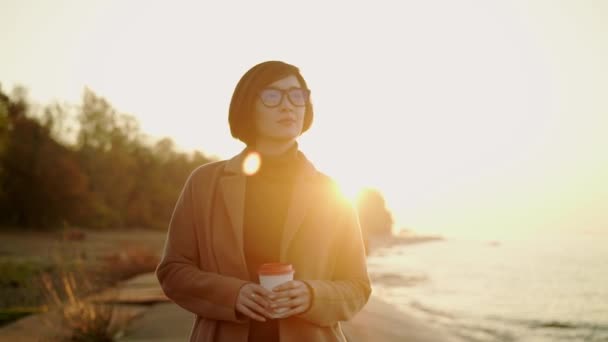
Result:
x=349 y=190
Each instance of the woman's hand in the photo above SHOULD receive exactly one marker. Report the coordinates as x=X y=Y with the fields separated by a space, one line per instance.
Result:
x=253 y=301
x=293 y=295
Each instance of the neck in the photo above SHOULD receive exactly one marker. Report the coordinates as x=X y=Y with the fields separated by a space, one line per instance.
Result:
x=273 y=148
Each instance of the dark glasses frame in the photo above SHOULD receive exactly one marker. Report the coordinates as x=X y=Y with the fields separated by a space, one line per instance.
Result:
x=284 y=92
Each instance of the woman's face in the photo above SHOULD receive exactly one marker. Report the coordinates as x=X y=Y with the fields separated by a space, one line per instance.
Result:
x=279 y=110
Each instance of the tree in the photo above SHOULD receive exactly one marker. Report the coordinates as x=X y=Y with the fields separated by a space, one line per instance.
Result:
x=41 y=182
x=373 y=214
x=105 y=143
x=103 y=175
x=4 y=135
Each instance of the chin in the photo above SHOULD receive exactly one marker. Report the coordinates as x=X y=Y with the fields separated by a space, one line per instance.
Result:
x=289 y=138
x=285 y=137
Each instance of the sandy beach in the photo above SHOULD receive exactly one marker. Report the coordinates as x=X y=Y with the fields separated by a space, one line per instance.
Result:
x=380 y=321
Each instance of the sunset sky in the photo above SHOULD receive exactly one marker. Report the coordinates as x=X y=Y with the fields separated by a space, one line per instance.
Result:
x=484 y=119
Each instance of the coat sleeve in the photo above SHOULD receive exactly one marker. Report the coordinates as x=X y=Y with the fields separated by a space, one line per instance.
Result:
x=207 y=294
x=345 y=295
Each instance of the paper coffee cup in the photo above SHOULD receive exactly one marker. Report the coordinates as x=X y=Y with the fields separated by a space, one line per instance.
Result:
x=274 y=274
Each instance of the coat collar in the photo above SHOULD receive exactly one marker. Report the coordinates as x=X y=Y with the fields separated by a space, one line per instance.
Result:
x=234 y=165
x=233 y=188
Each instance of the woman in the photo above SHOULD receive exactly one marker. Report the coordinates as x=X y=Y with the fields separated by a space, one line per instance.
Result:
x=228 y=221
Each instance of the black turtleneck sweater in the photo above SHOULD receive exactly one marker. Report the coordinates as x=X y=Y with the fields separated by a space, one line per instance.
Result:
x=267 y=197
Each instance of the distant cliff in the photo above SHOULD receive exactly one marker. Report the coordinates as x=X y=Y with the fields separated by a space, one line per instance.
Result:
x=374 y=217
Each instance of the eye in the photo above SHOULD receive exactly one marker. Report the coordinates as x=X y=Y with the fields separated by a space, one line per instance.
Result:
x=297 y=94
x=271 y=94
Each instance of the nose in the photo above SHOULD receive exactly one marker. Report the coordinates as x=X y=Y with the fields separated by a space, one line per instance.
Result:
x=285 y=103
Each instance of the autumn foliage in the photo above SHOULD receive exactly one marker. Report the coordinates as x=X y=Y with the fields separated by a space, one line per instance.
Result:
x=84 y=165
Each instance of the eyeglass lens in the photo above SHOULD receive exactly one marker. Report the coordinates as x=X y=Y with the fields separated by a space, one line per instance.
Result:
x=272 y=97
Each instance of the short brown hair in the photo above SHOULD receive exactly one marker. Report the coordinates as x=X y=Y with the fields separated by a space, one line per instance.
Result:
x=240 y=115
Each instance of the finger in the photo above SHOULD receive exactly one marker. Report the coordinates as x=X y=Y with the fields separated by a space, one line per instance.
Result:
x=262 y=291
x=257 y=308
x=294 y=311
x=247 y=312
x=260 y=300
x=294 y=302
x=290 y=293
x=292 y=284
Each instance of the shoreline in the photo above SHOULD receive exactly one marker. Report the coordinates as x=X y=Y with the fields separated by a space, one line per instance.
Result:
x=376 y=242
x=382 y=321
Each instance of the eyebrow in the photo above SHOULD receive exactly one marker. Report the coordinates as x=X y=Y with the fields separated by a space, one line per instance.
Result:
x=277 y=88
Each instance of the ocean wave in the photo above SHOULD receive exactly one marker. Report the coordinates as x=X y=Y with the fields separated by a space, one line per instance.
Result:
x=379 y=244
x=478 y=333
x=397 y=280
x=429 y=310
x=501 y=329
x=552 y=324
x=470 y=329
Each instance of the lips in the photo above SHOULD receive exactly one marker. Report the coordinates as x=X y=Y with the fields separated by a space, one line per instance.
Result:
x=286 y=121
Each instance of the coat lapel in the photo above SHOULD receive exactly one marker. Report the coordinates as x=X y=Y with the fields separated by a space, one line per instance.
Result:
x=233 y=191
x=301 y=200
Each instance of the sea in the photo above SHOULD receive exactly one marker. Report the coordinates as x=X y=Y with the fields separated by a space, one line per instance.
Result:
x=542 y=289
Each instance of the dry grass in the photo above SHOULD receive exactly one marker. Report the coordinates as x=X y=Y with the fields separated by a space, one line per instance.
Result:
x=57 y=272
x=130 y=261
x=81 y=319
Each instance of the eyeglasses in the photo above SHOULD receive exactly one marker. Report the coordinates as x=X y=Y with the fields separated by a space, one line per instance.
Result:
x=272 y=97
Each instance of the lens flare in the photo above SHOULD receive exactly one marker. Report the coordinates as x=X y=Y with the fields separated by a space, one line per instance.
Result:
x=251 y=163
x=348 y=190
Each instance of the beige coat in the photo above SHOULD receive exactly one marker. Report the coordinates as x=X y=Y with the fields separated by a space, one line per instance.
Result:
x=203 y=264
